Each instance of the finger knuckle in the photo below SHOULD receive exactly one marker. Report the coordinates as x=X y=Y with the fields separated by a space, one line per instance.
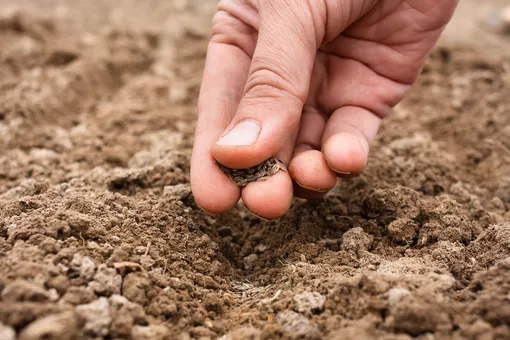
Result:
x=268 y=82
x=227 y=28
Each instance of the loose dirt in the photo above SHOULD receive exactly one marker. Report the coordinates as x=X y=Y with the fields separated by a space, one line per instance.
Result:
x=100 y=237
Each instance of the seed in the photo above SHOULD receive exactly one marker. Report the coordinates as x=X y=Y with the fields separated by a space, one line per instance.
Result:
x=242 y=177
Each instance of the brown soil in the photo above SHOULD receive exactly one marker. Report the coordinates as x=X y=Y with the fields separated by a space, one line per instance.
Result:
x=100 y=236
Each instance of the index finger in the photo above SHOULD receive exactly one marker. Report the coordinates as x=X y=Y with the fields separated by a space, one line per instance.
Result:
x=225 y=74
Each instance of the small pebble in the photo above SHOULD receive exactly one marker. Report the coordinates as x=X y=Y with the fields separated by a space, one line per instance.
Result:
x=249 y=261
x=84 y=266
x=396 y=294
x=96 y=316
x=295 y=323
x=309 y=302
x=356 y=239
x=106 y=281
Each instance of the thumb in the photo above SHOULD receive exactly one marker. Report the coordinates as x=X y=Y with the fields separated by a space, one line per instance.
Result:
x=276 y=89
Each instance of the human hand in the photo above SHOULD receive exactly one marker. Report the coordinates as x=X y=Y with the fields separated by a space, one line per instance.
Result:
x=307 y=82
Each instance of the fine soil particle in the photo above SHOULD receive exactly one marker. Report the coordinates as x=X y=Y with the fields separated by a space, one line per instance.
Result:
x=100 y=237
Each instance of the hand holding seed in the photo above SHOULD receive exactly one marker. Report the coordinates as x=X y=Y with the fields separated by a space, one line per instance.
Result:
x=307 y=82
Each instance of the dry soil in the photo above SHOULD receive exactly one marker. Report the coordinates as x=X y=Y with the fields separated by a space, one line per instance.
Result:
x=100 y=237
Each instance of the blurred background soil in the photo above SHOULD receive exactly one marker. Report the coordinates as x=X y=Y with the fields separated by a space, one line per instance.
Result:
x=100 y=237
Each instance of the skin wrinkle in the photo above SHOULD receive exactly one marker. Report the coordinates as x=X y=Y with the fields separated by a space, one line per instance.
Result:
x=373 y=17
x=349 y=126
x=429 y=9
x=410 y=51
x=381 y=107
x=269 y=80
x=264 y=70
x=272 y=11
x=374 y=31
x=402 y=13
x=280 y=38
x=332 y=53
x=360 y=57
x=244 y=11
x=319 y=25
x=373 y=14
x=351 y=14
x=332 y=28
x=266 y=100
x=301 y=37
x=326 y=21
x=418 y=37
x=305 y=140
x=304 y=29
x=223 y=33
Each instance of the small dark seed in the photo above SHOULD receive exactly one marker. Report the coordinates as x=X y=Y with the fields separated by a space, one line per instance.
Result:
x=243 y=177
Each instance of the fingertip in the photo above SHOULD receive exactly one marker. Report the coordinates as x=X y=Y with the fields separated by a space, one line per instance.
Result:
x=346 y=153
x=237 y=157
x=215 y=203
x=212 y=190
x=271 y=198
x=310 y=170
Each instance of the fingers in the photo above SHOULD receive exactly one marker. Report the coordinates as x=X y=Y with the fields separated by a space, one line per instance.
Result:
x=274 y=85
x=347 y=137
x=277 y=86
x=271 y=198
x=365 y=98
x=267 y=119
x=345 y=141
x=311 y=171
x=224 y=76
x=308 y=167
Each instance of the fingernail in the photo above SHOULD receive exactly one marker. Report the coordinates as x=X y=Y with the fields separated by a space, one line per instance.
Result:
x=310 y=188
x=364 y=144
x=244 y=133
x=257 y=216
